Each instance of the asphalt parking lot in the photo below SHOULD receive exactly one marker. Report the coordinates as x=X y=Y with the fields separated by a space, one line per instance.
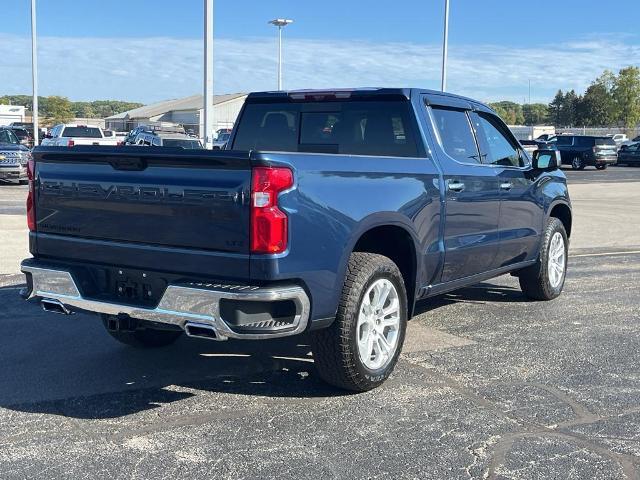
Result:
x=488 y=386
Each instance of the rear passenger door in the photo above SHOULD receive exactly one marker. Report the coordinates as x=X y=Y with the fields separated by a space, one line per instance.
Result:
x=521 y=209
x=472 y=195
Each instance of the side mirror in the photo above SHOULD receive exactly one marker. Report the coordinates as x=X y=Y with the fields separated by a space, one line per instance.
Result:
x=546 y=160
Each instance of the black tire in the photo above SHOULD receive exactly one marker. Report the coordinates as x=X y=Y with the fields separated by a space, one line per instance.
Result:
x=143 y=337
x=534 y=281
x=602 y=166
x=577 y=163
x=335 y=348
x=23 y=182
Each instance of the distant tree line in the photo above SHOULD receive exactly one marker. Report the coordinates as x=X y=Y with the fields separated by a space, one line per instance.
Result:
x=55 y=109
x=611 y=100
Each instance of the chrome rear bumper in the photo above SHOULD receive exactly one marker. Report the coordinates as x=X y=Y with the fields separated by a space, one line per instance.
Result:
x=194 y=304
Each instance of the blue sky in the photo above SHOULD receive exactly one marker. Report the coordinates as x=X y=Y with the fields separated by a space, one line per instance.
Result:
x=150 y=50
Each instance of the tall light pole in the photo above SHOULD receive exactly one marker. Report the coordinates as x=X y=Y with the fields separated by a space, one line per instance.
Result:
x=208 y=74
x=280 y=22
x=34 y=73
x=445 y=46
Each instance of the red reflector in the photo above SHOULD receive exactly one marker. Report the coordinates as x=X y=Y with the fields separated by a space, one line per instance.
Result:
x=31 y=207
x=269 y=225
x=71 y=143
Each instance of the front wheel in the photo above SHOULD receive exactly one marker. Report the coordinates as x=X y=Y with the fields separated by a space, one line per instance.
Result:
x=601 y=166
x=360 y=349
x=545 y=279
x=577 y=163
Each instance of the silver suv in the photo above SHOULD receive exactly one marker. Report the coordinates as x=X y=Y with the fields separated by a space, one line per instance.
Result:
x=13 y=157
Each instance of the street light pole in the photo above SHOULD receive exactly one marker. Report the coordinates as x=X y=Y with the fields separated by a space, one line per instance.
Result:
x=280 y=22
x=208 y=74
x=445 y=46
x=34 y=73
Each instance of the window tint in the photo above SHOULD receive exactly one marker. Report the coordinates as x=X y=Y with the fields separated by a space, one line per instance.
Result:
x=456 y=135
x=585 y=142
x=351 y=128
x=7 y=136
x=496 y=147
x=82 y=132
x=605 y=141
x=564 y=140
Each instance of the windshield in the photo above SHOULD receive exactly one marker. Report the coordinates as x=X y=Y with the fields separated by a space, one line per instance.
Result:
x=82 y=132
x=21 y=133
x=223 y=137
x=7 y=136
x=176 y=143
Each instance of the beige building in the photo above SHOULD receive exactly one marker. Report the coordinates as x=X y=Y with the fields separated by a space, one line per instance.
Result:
x=185 y=111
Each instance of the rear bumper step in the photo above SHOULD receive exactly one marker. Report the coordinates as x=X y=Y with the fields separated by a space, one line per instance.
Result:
x=192 y=308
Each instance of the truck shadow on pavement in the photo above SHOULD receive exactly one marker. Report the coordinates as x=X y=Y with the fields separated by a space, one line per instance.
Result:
x=69 y=366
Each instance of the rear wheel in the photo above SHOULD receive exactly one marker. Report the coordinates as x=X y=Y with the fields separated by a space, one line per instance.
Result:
x=545 y=279
x=577 y=163
x=140 y=337
x=601 y=166
x=360 y=349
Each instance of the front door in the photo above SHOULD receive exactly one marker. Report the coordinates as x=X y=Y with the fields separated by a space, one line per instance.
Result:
x=472 y=197
x=521 y=209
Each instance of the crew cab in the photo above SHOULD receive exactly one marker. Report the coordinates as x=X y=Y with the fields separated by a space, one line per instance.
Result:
x=71 y=134
x=329 y=212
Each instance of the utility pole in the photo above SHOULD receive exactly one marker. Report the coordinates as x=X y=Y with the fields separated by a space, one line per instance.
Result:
x=280 y=22
x=445 y=46
x=208 y=74
x=34 y=74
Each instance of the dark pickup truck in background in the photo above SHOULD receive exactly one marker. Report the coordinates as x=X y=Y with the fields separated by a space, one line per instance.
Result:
x=329 y=212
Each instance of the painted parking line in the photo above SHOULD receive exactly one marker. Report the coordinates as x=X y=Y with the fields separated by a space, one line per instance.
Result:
x=605 y=254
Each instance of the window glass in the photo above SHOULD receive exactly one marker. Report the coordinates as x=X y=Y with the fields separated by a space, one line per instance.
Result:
x=496 y=147
x=584 y=142
x=178 y=143
x=456 y=134
x=351 y=128
x=564 y=140
x=605 y=141
x=82 y=132
x=7 y=136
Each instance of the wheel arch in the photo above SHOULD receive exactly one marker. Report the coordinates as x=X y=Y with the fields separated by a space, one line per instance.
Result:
x=562 y=211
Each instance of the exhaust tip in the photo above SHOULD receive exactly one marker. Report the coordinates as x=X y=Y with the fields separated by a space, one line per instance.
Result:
x=201 y=330
x=54 y=306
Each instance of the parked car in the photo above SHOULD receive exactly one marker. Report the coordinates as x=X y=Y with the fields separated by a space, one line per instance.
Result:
x=166 y=127
x=545 y=137
x=619 y=138
x=162 y=139
x=13 y=156
x=581 y=151
x=629 y=154
x=28 y=126
x=333 y=213
x=24 y=137
x=71 y=134
x=221 y=141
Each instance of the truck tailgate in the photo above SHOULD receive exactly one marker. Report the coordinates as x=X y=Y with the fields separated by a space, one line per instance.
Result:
x=174 y=199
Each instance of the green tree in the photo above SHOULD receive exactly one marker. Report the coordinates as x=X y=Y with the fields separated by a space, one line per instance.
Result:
x=83 y=109
x=510 y=112
x=535 y=114
x=596 y=107
x=57 y=110
x=555 y=108
x=626 y=96
x=568 y=111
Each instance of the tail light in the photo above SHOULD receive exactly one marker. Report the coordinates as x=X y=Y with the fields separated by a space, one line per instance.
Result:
x=70 y=143
x=31 y=207
x=269 y=225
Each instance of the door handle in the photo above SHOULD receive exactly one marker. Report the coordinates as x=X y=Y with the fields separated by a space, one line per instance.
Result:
x=455 y=186
x=506 y=186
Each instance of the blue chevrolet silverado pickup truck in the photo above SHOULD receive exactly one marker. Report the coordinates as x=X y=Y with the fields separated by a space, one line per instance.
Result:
x=330 y=212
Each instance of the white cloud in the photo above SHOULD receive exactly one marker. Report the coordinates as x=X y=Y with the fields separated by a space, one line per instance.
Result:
x=152 y=69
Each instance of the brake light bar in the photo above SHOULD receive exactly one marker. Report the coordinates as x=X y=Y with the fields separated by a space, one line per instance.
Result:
x=269 y=224
x=317 y=96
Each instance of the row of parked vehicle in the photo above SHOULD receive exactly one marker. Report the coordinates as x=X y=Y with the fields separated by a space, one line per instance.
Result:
x=581 y=151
